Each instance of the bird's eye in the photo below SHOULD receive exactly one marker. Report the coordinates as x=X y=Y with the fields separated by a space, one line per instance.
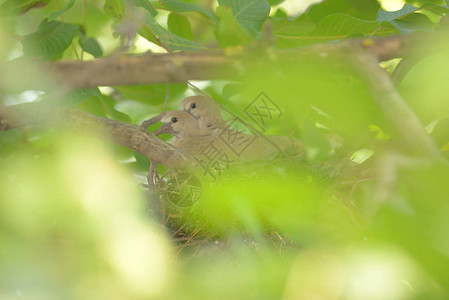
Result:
x=174 y=119
x=193 y=105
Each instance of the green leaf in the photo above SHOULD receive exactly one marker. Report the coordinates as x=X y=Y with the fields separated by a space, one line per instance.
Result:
x=412 y=23
x=92 y=105
x=108 y=104
x=50 y=40
x=11 y=139
x=292 y=27
x=250 y=14
x=229 y=32
x=142 y=161
x=169 y=39
x=389 y=16
x=364 y=10
x=316 y=145
x=335 y=27
x=180 y=6
x=66 y=7
x=405 y=19
x=436 y=9
x=147 y=5
x=13 y=7
x=275 y=2
x=153 y=94
x=91 y=46
x=76 y=96
x=180 y=25
x=114 y=8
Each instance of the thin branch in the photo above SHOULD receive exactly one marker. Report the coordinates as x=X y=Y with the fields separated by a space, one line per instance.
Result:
x=392 y=105
x=128 y=135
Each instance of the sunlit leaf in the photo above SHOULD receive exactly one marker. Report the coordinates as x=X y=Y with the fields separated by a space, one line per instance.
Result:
x=50 y=40
x=250 y=14
x=180 y=6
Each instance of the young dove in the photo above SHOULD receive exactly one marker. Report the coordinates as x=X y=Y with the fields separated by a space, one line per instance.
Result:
x=185 y=131
x=232 y=145
x=206 y=111
x=210 y=120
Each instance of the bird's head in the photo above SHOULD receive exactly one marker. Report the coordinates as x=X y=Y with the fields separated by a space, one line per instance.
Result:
x=204 y=109
x=179 y=124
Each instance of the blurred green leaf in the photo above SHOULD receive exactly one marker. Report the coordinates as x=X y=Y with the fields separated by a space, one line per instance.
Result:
x=180 y=6
x=441 y=133
x=180 y=25
x=437 y=9
x=250 y=14
x=388 y=16
x=142 y=161
x=114 y=8
x=91 y=46
x=153 y=94
x=93 y=105
x=78 y=95
x=334 y=27
x=405 y=19
x=66 y=7
x=108 y=103
x=12 y=7
x=292 y=27
x=169 y=39
x=10 y=140
x=316 y=145
x=145 y=4
x=412 y=23
x=423 y=218
x=425 y=88
x=275 y=2
x=364 y=10
x=50 y=40
x=229 y=32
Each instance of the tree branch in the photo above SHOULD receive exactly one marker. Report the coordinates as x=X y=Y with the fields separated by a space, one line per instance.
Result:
x=183 y=66
x=392 y=105
x=128 y=135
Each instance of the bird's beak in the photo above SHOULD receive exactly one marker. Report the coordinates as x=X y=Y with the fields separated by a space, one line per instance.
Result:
x=165 y=128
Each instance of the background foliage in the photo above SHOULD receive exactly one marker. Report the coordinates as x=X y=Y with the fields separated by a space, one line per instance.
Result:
x=360 y=217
